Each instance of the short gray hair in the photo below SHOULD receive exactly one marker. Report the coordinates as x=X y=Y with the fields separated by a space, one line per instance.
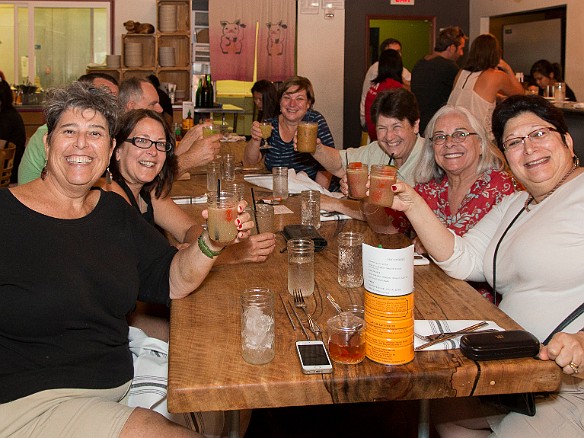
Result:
x=131 y=90
x=82 y=96
x=490 y=157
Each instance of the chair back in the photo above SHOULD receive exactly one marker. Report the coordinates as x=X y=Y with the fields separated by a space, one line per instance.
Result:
x=6 y=163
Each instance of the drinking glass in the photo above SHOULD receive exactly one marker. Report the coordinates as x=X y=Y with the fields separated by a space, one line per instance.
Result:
x=559 y=91
x=357 y=174
x=380 y=182
x=264 y=216
x=306 y=137
x=350 y=271
x=213 y=175
x=346 y=338
x=237 y=188
x=310 y=208
x=301 y=266
x=280 y=182
x=228 y=168
x=258 y=337
x=222 y=209
x=209 y=130
x=266 y=128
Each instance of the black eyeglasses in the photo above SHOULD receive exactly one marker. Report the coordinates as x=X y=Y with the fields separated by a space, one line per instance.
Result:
x=145 y=143
x=537 y=136
x=456 y=136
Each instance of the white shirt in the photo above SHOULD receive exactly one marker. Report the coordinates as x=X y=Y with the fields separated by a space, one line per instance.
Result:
x=539 y=261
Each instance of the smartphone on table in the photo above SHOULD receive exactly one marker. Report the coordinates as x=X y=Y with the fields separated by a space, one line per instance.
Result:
x=314 y=358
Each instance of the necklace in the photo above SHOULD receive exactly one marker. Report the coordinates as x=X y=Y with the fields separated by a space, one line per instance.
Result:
x=530 y=198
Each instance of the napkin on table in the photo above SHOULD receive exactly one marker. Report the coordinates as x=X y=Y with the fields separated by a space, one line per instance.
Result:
x=433 y=326
x=297 y=182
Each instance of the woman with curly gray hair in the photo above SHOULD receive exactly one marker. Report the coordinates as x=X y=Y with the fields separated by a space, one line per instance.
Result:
x=75 y=261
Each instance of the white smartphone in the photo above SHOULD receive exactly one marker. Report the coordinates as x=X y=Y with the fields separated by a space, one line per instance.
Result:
x=314 y=358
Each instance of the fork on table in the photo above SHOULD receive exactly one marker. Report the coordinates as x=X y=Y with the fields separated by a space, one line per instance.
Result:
x=301 y=304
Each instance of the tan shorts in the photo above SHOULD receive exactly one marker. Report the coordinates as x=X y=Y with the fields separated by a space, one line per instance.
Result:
x=61 y=413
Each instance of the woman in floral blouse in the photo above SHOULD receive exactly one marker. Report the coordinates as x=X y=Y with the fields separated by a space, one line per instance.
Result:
x=460 y=174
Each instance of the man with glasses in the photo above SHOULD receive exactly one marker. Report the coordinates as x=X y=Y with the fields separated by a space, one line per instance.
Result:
x=433 y=75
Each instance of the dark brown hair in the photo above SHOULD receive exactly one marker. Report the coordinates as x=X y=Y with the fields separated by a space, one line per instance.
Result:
x=164 y=180
x=297 y=81
x=485 y=53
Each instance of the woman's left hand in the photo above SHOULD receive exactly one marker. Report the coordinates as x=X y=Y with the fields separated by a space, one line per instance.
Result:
x=567 y=350
x=243 y=222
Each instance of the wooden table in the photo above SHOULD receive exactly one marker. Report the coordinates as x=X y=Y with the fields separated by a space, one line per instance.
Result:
x=207 y=372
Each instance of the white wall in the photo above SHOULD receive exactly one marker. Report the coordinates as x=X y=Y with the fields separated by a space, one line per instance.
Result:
x=321 y=47
x=480 y=10
x=143 y=11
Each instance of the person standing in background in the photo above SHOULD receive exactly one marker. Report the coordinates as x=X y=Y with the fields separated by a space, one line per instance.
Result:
x=389 y=76
x=265 y=98
x=389 y=43
x=11 y=126
x=484 y=78
x=433 y=75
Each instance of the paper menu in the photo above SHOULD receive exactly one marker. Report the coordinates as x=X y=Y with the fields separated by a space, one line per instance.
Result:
x=388 y=272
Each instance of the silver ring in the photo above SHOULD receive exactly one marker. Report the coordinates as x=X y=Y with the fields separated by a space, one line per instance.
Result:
x=574 y=367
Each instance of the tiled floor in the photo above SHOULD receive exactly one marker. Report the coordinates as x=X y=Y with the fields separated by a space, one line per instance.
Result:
x=362 y=420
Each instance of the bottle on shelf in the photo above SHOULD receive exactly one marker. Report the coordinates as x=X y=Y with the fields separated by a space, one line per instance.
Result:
x=210 y=92
x=188 y=123
x=177 y=134
x=199 y=94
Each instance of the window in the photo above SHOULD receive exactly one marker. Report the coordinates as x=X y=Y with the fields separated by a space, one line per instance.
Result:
x=50 y=43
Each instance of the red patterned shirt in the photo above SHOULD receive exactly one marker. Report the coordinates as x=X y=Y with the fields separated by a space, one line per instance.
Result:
x=488 y=190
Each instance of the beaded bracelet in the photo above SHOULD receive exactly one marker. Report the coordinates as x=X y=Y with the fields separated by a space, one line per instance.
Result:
x=205 y=248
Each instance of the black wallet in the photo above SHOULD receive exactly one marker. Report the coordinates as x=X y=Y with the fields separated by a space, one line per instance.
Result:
x=305 y=232
x=509 y=344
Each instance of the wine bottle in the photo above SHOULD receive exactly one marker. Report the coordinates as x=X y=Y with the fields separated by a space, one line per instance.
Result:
x=198 y=95
x=210 y=92
x=204 y=92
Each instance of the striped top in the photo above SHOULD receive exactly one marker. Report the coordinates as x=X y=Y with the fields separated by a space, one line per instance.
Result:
x=283 y=154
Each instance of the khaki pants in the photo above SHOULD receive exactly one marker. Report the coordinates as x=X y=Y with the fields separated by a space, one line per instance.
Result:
x=63 y=413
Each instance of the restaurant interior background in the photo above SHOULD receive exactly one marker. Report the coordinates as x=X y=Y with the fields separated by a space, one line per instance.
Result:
x=333 y=51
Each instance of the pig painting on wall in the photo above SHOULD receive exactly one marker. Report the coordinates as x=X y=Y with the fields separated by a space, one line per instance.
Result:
x=276 y=37
x=232 y=36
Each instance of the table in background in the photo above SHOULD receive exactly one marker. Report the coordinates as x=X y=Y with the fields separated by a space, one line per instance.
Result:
x=223 y=109
x=207 y=372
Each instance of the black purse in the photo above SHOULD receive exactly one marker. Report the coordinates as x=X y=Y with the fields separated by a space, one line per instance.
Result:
x=522 y=403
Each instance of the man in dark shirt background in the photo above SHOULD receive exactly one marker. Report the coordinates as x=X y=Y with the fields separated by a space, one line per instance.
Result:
x=433 y=75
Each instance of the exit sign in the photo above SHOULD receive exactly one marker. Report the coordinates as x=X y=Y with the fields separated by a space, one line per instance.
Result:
x=402 y=2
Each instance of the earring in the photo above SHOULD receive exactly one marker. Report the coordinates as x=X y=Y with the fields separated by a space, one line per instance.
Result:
x=44 y=172
x=108 y=176
x=576 y=161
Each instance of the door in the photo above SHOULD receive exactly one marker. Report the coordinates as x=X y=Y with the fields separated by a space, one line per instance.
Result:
x=415 y=34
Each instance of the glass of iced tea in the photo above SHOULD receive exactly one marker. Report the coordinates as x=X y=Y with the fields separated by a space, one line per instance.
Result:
x=380 y=182
x=357 y=174
x=222 y=209
x=346 y=338
x=307 y=133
